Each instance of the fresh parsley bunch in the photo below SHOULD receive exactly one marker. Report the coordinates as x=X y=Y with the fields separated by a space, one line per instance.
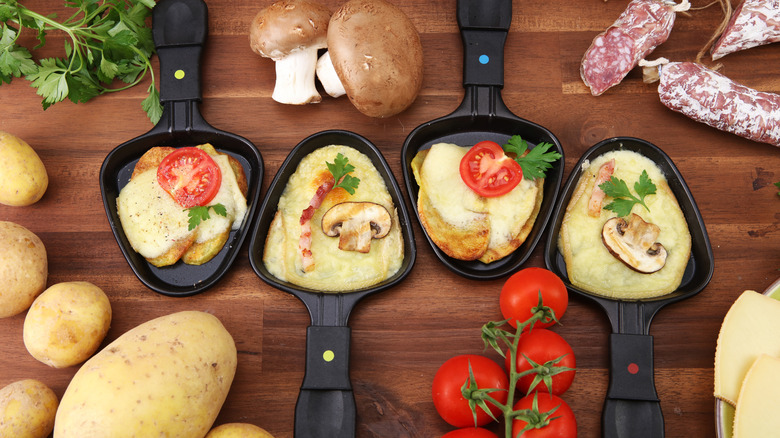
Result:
x=107 y=42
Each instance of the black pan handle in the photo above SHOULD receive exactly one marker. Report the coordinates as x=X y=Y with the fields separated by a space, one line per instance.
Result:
x=179 y=29
x=484 y=25
x=326 y=403
x=632 y=408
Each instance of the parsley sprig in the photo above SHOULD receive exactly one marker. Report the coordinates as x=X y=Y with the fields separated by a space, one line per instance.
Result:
x=538 y=160
x=106 y=40
x=624 y=200
x=200 y=214
x=341 y=169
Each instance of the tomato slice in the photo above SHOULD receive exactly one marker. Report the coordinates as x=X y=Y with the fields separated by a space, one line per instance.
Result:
x=488 y=171
x=190 y=176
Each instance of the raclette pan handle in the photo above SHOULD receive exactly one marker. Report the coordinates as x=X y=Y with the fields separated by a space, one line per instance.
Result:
x=179 y=30
x=631 y=408
x=326 y=403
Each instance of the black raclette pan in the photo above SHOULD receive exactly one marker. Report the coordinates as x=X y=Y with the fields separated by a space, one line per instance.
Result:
x=632 y=408
x=482 y=115
x=180 y=28
x=326 y=403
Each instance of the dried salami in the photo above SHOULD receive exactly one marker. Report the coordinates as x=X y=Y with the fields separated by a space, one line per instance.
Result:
x=753 y=23
x=639 y=29
x=709 y=97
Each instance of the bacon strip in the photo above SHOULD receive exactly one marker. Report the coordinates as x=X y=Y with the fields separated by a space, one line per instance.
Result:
x=597 y=196
x=304 y=244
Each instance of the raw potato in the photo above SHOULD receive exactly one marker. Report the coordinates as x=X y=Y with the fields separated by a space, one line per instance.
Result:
x=23 y=178
x=23 y=268
x=238 y=430
x=166 y=377
x=27 y=409
x=66 y=323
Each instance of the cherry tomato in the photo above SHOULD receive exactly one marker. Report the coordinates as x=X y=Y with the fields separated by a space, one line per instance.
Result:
x=562 y=425
x=542 y=346
x=519 y=297
x=488 y=171
x=450 y=378
x=470 y=432
x=190 y=176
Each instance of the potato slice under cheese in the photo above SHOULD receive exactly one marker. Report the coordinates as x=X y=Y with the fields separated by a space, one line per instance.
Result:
x=759 y=397
x=749 y=329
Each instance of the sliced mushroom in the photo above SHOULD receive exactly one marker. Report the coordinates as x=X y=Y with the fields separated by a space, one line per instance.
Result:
x=633 y=242
x=356 y=223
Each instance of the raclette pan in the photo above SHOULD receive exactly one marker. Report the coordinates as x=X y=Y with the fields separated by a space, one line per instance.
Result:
x=632 y=408
x=326 y=403
x=180 y=28
x=482 y=115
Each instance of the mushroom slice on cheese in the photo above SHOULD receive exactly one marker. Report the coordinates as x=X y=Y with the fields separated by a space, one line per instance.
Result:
x=633 y=242
x=356 y=223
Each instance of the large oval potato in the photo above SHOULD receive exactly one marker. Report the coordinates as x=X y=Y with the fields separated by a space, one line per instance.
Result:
x=66 y=323
x=23 y=178
x=238 y=430
x=166 y=377
x=27 y=409
x=23 y=268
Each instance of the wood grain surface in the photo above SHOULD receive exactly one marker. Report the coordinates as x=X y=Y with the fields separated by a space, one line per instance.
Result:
x=401 y=336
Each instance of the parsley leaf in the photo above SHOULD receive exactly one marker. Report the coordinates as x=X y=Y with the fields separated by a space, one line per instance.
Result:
x=537 y=161
x=199 y=214
x=340 y=169
x=777 y=184
x=623 y=200
x=104 y=40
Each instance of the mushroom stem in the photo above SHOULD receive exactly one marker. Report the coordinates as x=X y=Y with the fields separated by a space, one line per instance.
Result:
x=328 y=77
x=295 y=78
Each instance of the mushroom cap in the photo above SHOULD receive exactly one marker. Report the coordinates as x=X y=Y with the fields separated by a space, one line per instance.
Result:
x=633 y=242
x=289 y=25
x=356 y=223
x=377 y=54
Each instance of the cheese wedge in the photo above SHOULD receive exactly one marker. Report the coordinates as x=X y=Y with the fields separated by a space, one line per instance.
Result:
x=759 y=397
x=750 y=328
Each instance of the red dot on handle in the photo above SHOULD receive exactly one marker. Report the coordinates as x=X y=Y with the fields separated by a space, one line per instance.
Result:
x=633 y=368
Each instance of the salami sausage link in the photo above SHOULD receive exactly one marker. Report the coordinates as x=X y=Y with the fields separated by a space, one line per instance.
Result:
x=711 y=98
x=639 y=29
x=754 y=23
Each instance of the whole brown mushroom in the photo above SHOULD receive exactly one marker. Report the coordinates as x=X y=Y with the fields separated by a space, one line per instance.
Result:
x=375 y=53
x=290 y=32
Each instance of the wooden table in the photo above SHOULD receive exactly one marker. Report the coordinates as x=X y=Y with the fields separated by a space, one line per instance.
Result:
x=401 y=336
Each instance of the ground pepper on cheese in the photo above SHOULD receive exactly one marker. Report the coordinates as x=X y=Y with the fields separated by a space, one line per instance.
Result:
x=589 y=264
x=334 y=270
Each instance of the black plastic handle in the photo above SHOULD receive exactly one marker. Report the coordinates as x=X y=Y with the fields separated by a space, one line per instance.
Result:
x=484 y=25
x=179 y=29
x=632 y=408
x=326 y=403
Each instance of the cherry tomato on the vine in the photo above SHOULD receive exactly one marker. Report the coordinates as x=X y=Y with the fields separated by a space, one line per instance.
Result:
x=450 y=379
x=562 y=425
x=488 y=171
x=542 y=346
x=470 y=432
x=519 y=298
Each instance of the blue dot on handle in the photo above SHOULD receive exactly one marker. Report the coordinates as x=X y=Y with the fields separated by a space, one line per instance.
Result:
x=484 y=59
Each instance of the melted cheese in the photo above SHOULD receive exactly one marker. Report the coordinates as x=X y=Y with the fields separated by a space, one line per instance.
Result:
x=334 y=269
x=589 y=264
x=153 y=222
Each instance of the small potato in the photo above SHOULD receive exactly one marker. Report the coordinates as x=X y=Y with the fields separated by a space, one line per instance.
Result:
x=27 y=409
x=66 y=323
x=23 y=268
x=23 y=178
x=238 y=430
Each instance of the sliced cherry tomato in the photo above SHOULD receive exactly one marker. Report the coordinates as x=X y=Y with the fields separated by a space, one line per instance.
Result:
x=519 y=298
x=488 y=171
x=190 y=176
x=470 y=432
x=563 y=424
x=542 y=346
x=450 y=378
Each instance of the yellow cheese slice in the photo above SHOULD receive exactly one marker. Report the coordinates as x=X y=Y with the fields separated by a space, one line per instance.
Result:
x=759 y=397
x=749 y=329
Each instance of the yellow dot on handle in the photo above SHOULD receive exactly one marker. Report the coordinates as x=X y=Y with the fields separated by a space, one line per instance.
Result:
x=179 y=74
x=328 y=355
